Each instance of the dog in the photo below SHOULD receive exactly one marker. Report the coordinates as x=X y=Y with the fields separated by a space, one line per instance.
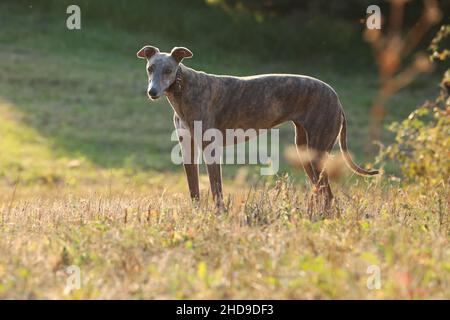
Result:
x=253 y=102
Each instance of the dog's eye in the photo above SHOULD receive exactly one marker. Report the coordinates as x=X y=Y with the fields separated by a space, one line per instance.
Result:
x=168 y=71
x=150 y=69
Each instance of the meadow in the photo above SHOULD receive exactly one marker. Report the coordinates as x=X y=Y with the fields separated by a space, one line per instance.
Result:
x=86 y=177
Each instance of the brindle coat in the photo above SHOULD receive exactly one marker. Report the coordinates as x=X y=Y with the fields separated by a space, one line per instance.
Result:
x=258 y=102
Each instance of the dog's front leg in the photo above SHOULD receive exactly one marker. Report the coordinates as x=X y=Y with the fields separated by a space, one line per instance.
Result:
x=215 y=180
x=212 y=153
x=189 y=152
x=191 y=170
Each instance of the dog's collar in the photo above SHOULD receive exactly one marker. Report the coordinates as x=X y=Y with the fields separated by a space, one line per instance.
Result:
x=175 y=93
x=178 y=83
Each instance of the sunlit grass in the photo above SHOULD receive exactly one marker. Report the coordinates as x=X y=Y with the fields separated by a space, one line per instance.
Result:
x=133 y=243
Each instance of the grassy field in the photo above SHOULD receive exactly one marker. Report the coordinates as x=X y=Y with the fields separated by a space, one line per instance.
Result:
x=86 y=177
x=132 y=242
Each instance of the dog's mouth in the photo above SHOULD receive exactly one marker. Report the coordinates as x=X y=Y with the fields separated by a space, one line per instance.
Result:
x=154 y=97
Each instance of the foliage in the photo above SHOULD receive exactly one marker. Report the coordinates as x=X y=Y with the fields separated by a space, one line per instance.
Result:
x=350 y=9
x=205 y=28
x=422 y=140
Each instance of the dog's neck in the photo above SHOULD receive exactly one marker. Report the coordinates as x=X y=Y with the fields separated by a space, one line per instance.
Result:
x=175 y=92
x=177 y=85
x=186 y=94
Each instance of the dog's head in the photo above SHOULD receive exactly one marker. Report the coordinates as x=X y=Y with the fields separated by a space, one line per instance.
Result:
x=162 y=68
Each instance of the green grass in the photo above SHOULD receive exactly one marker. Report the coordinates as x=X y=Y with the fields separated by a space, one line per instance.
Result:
x=82 y=92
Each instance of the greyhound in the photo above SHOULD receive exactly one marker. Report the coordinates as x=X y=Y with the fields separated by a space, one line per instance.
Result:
x=254 y=102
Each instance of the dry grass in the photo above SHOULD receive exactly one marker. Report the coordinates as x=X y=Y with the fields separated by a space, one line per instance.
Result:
x=132 y=244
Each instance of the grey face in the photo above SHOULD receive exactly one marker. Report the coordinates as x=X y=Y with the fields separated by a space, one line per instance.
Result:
x=162 y=68
x=161 y=71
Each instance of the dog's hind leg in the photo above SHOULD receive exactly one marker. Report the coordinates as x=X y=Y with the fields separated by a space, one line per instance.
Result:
x=307 y=157
x=319 y=144
x=301 y=141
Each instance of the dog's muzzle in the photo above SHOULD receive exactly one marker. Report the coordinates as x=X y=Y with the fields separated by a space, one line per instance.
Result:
x=153 y=94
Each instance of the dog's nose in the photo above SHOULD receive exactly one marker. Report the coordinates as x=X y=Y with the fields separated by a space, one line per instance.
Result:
x=152 y=92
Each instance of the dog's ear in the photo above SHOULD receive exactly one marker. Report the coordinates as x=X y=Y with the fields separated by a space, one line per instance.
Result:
x=179 y=53
x=147 y=52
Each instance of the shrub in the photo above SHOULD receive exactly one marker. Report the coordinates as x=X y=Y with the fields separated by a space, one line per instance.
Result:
x=422 y=140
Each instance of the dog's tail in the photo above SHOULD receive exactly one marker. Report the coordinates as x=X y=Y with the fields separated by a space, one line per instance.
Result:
x=348 y=159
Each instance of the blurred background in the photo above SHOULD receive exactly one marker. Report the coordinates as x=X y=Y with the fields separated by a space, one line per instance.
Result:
x=72 y=102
